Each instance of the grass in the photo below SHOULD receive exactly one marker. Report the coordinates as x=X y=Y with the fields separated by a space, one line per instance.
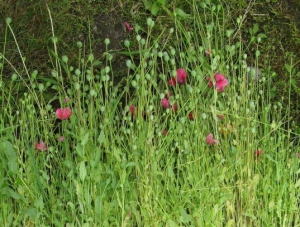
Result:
x=124 y=159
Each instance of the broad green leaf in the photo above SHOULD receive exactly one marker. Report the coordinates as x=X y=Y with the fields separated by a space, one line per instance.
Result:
x=182 y=15
x=38 y=203
x=155 y=8
x=82 y=171
x=98 y=205
x=80 y=150
x=12 y=157
x=85 y=139
x=13 y=194
x=101 y=137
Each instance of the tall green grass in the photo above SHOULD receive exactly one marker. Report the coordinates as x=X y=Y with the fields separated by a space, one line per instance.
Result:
x=115 y=168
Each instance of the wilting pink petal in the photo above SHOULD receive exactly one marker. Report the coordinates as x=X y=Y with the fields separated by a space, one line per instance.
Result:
x=63 y=113
x=207 y=53
x=175 y=107
x=165 y=132
x=128 y=27
x=181 y=76
x=40 y=146
x=258 y=153
x=191 y=116
x=210 y=140
x=66 y=99
x=131 y=110
x=165 y=103
x=172 y=82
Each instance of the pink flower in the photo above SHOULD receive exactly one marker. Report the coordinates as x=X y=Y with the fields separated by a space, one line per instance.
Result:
x=210 y=140
x=63 y=113
x=181 y=76
x=61 y=138
x=165 y=103
x=165 y=132
x=172 y=82
x=128 y=27
x=221 y=117
x=221 y=82
x=40 y=146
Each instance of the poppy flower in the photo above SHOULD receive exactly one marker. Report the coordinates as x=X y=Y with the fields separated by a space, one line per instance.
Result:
x=165 y=103
x=210 y=140
x=63 y=113
x=221 y=82
x=40 y=146
x=181 y=76
x=128 y=26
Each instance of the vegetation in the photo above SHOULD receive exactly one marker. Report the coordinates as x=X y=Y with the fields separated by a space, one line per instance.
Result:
x=166 y=131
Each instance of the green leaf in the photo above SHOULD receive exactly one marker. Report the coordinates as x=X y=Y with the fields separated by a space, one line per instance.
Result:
x=13 y=194
x=182 y=15
x=155 y=8
x=262 y=35
x=12 y=157
x=297 y=183
x=85 y=139
x=148 y=4
x=82 y=171
x=98 y=205
x=38 y=203
x=255 y=29
x=101 y=137
x=80 y=150
x=31 y=212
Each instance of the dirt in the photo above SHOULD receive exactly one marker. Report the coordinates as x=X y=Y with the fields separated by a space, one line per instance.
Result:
x=111 y=26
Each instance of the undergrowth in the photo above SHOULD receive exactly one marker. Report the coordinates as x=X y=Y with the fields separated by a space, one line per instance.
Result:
x=185 y=139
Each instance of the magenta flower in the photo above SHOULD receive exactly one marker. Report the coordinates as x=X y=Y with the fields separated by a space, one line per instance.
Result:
x=210 y=140
x=181 y=76
x=221 y=117
x=40 y=146
x=128 y=27
x=63 y=113
x=221 y=82
x=165 y=103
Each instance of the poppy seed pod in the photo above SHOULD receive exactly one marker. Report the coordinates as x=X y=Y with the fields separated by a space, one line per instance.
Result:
x=253 y=74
